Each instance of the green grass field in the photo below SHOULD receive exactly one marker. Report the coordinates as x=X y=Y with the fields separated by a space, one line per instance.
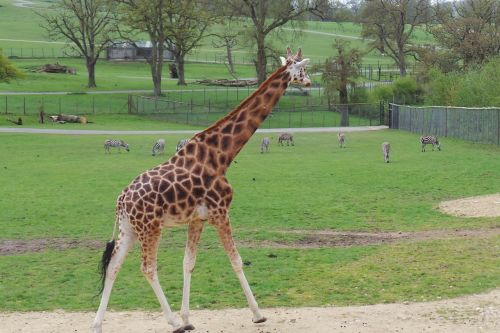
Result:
x=65 y=187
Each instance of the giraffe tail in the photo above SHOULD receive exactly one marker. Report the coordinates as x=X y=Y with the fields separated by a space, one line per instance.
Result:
x=104 y=263
x=108 y=252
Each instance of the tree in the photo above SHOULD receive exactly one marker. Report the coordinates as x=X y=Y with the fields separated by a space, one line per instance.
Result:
x=470 y=29
x=147 y=16
x=338 y=73
x=391 y=23
x=265 y=17
x=7 y=71
x=174 y=25
x=85 y=24
x=228 y=39
x=186 y=24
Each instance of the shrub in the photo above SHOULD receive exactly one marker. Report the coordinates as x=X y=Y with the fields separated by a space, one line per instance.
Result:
x=381 y=93
x=7 y=71
x=477 y=87
x=406 y=90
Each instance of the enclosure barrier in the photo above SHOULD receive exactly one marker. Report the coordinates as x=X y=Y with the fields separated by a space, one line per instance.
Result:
x=472 y=124
x=291 y=115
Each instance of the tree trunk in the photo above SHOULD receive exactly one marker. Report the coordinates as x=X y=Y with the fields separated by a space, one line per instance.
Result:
x=156 y=63
x=230 y=58
x=261 y=63
x=180 y=70
x=344 y=115
x=91 y=73
x=344 y=107
x=402 y=62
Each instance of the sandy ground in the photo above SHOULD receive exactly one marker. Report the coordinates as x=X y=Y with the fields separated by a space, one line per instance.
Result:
x=480 y=206
x=476 y=313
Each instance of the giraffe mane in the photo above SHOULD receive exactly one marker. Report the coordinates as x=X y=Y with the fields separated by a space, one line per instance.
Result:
x=245 y=101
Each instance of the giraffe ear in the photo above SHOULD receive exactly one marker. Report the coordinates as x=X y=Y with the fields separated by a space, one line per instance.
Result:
x=303 y=63
x=288 y=52
x=283 y=61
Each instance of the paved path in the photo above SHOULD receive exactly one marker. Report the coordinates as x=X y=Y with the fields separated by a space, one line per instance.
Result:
x=106 y=132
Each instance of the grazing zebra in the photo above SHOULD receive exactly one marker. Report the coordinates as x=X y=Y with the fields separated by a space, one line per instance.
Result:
x=114 y=143
x=341 y=138
x=430 y=140
x=159 y=147
x=264 y=146
x=386 y=148
x=288 y=137
x=181 y=144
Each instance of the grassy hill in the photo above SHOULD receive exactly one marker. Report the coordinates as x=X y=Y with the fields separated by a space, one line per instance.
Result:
x=20 y=28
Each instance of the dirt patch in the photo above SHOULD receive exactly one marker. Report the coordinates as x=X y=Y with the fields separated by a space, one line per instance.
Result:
x=469 y=314
x=480 y=206
x=329 y=238
x=310 y=239
x=11 y=246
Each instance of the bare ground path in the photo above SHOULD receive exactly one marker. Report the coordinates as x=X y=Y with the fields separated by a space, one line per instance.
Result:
x=474 y=313
x=262 y=130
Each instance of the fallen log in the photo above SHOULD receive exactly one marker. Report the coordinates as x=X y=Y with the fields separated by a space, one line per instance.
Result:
x=230 y=83
x=67 y=118
x=57 y=68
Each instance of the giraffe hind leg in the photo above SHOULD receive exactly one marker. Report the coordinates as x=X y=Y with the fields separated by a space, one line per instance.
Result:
x=111 y=262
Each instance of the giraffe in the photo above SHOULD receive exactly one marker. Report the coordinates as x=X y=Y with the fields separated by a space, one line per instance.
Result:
x=191 y=188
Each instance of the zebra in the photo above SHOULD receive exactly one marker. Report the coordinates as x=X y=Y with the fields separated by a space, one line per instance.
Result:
x=181 y=144
x=288 y=137
x=341 y=139
x=386 y=148
x=264 y=146
x=159 y=147
x=430 y=140
x=114 y=143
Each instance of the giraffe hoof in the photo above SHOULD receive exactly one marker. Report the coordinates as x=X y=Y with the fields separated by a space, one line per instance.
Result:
x=188 y=327
x=179 y=330
x=261 y=320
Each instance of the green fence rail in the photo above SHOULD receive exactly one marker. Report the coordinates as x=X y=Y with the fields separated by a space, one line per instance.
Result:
x=472 y=124
x=287 y=115
x=77 y=104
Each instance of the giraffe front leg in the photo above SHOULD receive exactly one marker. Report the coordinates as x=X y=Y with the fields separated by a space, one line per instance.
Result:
x=194 y=233
x=224 y=229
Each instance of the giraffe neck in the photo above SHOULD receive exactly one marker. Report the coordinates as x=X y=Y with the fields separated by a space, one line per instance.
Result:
x=231 y=133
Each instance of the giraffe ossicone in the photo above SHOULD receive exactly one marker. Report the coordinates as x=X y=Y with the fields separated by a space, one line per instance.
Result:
x=191 y=188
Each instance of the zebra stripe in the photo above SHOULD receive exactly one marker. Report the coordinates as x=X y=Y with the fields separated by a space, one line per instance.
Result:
x=430 y=140
x=288 y=137
x=116 y=144
x=386 y=148
x=264 y=146
x=181 y=144
x=341 y=139
x=158 y=147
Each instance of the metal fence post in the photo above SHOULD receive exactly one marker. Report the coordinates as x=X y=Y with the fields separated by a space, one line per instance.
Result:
x=5 y=104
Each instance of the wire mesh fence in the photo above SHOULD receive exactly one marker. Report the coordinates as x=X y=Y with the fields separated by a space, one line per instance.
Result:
x=283 y=116
x=77 y=104
x=472 y=124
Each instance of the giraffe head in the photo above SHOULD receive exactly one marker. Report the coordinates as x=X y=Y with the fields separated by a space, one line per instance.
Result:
x=296 y=67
